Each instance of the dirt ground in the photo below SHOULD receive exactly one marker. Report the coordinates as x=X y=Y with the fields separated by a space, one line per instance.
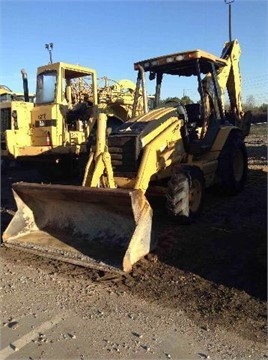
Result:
x=206 y=287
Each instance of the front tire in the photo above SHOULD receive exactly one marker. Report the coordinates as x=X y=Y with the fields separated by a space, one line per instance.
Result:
x=185 y=194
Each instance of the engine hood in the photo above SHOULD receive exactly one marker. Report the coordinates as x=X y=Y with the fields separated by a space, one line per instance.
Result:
x=147 y=122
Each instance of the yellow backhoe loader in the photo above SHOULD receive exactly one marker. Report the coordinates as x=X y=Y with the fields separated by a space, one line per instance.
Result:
x=173 y=150
x=54 y=132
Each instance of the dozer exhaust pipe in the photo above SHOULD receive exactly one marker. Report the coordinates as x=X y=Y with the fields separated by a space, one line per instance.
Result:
x=25 y=85
x=107 y=229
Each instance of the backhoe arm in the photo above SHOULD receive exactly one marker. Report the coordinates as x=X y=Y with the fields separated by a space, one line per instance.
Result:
x=229 y=78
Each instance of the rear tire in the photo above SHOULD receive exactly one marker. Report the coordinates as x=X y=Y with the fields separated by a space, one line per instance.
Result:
x=185 y=194
x=232 y=167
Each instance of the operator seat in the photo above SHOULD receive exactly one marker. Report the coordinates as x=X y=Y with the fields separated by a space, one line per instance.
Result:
x=194 y=114
x=193 y=143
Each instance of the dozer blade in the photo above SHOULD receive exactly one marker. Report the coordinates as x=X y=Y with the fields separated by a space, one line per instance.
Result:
x=109 y=229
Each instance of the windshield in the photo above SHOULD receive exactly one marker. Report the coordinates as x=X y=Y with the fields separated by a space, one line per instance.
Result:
x=182 y=88
x=46 y=87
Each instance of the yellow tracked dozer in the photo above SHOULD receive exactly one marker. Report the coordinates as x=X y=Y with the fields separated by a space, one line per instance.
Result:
x=54 y=133
x=174 y=150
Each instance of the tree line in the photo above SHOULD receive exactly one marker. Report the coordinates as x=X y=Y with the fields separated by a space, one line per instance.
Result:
x=259 y=112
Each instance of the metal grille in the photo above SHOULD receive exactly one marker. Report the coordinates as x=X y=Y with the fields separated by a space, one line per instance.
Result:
x=124 y=153
x=5 y=124
x=5 y=119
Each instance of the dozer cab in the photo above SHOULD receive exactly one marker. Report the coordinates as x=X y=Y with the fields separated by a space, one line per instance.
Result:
x=174 y=151
x=53 y=133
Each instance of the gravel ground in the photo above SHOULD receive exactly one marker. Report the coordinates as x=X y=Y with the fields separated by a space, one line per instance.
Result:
x=202 y=295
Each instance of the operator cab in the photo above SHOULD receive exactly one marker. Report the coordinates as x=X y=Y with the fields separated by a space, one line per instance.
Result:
x=201 y=120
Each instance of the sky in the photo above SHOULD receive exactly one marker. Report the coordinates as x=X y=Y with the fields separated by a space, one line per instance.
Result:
x=111 y=35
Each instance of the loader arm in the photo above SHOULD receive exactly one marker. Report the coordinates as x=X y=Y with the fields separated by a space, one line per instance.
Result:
x=99 y=163
x=157 y=153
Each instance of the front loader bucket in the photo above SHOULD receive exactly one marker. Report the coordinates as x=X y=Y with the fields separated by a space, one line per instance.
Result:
x=106 y=229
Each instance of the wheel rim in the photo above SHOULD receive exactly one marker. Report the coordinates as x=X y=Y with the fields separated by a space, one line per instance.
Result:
x=195 y=196
x=238 y=166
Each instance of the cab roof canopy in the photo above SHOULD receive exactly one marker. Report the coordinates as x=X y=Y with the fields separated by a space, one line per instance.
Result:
x=182 y=63
x=71 y=71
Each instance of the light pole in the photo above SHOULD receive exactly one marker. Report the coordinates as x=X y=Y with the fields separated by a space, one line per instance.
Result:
x=185 y=92
x=229 y=2
x=49 y=47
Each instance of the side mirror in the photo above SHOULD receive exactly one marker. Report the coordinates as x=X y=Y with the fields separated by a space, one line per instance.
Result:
x=152 y=75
